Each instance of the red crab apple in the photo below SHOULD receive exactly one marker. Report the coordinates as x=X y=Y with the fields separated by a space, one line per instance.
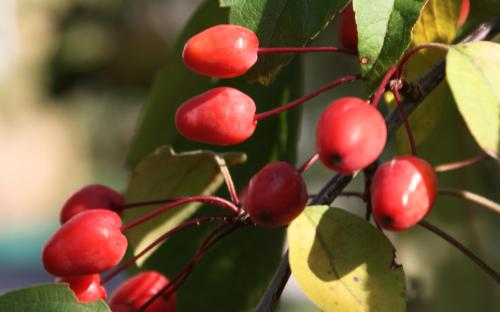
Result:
x=276 y=195
x=90 y=242
x=136 y=291
x=220 y=116
x=464 y=13
x=87 y=288
x=222 y=51
x=350 y=135
x=403 y=191
x=348 y=33
x=94 y=196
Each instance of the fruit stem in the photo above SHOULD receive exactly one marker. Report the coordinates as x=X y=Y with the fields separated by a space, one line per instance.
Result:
x=305 y=50
x=160 y=239
x=308 y=163
x=404 y=118
x=381 y=88
x=486 y=268
x=414 y=50
x=229 y=181
x=472 y=197
x=460 y=164
x=307 y=97
x=204 y=199
x=146 y=203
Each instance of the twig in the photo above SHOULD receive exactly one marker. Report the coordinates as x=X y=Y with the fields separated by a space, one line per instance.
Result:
x=472 y=197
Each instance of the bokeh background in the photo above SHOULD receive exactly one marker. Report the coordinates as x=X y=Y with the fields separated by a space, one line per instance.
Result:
x=73 y=77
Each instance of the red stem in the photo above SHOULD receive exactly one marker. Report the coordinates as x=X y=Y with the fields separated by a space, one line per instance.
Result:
x=308 y=163
x=404 y=118
x=305 y=50
x=381 y=88
x=146 y=203
x=160 y=239
x=414 y=50
x=305 y=98
x=460 y=164
x=204 y=199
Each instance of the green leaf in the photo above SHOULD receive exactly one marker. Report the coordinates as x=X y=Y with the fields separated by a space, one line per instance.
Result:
x=47 y=298
x=281 y=23
x=343 y=263
x=172 y=86
x=384 y=34
x=473 y=74
x=165 y=174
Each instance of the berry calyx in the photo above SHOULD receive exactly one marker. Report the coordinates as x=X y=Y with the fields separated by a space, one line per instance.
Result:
x=87 y=288
x=464 y=13
x=350 y=135
x=222 y=51
x=91 y=197
x=276 y=195
x=348 y=33
x=220 y=116
x=90 y=242
x=403 y=191
x=136 y=291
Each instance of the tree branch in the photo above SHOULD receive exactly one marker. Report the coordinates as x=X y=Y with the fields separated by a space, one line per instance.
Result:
x=414 y=94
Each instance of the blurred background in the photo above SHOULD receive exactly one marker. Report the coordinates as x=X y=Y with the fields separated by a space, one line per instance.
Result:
x=73 y=77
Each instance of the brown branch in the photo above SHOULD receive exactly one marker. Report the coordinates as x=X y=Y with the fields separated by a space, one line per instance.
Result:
x=414 y=94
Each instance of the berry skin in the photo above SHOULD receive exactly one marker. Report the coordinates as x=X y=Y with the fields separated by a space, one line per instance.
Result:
x=134 y=292
x=90 y=197
x=464 y=13
x=403 y=191
x=222 y=51
x=220 y=116
x=348 y=33
x=276 y=195
x=87 y=288
x=350 y=135
x=90 y=242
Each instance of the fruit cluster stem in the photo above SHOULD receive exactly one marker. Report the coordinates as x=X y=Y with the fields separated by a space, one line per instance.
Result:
x=460 y=164
x=471 y=197
x=404 y=118
x=305 y=50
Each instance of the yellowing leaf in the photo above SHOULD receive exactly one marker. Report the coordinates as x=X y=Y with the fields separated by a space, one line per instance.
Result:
x=343 y=263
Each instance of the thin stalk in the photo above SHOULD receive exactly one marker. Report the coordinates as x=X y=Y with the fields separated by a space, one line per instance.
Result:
x=146 y=203
x=305 y=50
x=307 y=97
x=381 y=88
x=308 y=163
x=404 y=118
x=472 y=197
x=204 y=199
x=229 y=181
x=460 y=164
x=414 y=50
x=486 y=268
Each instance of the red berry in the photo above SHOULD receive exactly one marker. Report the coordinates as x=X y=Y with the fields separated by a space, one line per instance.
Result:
x=136 y=291
x=464 y=13
x=222 y=51
x=350 y=135
x=402 y=192
x=90 y=242
x=87 y=288
x=276 y=195
x=220 y=116
x=348 y=33
x=90 y=197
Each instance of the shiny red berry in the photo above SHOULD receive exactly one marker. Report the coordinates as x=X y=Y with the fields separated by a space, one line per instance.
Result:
x=220 y=116
x=87 y=288
x=222 y=51
x=90 y=242
x=90 y=197
x=403 y=191
x=464 y=13
x=348 y=33
x=350 y=135
x=276 y=195
x=136 y=291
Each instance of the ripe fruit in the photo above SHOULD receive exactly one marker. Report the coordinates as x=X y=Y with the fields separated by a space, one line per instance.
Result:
x=464 y=13
x=221 y=116
x=90 y=242
x=402 y=192
x=350 y=135
x=222 y=51
x=136 y=291
x=348 y=33
x=276 y=195
x=87 y=288
x=90 y=197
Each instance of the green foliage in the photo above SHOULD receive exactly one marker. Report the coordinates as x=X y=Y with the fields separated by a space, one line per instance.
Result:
x=343 y=263
x=47 y=298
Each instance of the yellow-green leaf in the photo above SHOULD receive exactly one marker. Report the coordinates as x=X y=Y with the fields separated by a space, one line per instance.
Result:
x=166 y=174
x=343 y=263
x=473 y=74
